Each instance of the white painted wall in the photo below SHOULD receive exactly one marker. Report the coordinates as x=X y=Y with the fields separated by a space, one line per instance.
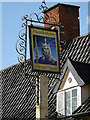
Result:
x=72 y=83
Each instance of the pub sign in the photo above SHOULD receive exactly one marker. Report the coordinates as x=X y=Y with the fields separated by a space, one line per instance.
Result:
x=44 y=49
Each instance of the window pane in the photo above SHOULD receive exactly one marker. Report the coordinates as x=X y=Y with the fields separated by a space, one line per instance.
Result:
x=74 y=102
x=74 y=108
x=68 y=112
x=68 y=95
x=68 y=104
x=74 y=92
x=60 y=103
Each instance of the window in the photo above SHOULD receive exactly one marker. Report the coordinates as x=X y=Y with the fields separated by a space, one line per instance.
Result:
x=60 y=103
x=68 y=103
x=68 y=100
x=74 y=100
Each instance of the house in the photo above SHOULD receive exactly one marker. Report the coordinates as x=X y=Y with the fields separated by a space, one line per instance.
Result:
x=19 y=91
x=74 y=89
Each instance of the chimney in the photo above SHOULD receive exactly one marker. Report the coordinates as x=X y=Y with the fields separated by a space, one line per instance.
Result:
x=67 y=15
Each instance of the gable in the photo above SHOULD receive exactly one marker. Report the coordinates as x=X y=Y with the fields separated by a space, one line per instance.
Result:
x=66 y=83
x=70 y=84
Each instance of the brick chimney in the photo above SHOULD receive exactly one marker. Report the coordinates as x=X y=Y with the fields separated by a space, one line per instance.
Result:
x=68 y=16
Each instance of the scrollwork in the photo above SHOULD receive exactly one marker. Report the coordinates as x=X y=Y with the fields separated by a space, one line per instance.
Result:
x=36 y=15
x=20 y=46
x=23 y=25
x=51 y=20
x=21 y=58
x=25 y=17
x=21 y=35
x=39 y=18
x=43 y=6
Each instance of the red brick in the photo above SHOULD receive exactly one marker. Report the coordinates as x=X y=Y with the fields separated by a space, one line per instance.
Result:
x=68 y=16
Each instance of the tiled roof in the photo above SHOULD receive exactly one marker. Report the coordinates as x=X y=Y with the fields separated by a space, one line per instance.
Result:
x=83 y=110
x=18 y=92
x=82 y=70
x=77 y=50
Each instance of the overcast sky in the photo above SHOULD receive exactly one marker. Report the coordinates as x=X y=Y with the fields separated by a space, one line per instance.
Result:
x=11 y=14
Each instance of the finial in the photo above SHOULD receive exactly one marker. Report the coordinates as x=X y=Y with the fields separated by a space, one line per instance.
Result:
x=44 y=2
x=43 y=5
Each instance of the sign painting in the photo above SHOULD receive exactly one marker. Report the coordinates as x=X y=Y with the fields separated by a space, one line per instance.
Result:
x=44 y=49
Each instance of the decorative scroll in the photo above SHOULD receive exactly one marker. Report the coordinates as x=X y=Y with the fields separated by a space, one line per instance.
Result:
x=43 y=6
x=41 y=18
x=20 y=46
x=28 y=20
x=21 y=43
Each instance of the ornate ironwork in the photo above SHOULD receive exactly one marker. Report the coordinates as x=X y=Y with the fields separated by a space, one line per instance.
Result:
x=21 y=44
x=43 y=19
x=43 y=6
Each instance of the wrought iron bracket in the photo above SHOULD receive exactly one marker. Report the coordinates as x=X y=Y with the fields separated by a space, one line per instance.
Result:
x=21 y=44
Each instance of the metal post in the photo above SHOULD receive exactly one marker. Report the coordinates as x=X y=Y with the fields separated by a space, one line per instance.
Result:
x=59 y=37
x=25 y=45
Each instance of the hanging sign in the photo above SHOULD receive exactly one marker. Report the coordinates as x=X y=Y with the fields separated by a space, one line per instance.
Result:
x=44 y=49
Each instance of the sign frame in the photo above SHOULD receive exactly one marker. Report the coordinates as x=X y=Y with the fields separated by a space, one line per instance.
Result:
x=44 y=63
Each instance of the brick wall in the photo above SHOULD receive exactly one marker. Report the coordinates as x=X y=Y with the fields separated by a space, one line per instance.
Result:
x=68 y=16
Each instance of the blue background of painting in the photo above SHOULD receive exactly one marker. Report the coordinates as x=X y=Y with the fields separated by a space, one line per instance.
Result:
x=40 y=41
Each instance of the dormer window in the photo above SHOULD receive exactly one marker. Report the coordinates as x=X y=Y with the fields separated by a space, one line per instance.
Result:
x=68 y=100
x=71 y=89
